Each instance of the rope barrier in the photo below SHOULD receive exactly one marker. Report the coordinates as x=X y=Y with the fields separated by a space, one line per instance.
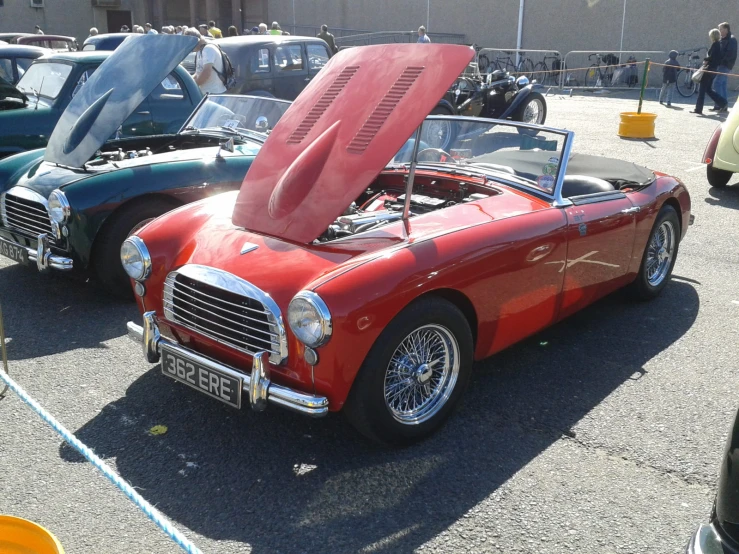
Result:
x=696 y=69
x=151 y=512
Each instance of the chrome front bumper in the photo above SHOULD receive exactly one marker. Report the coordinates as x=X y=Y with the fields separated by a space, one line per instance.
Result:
x=707 y=540
x=42 y=256
x=257 y=385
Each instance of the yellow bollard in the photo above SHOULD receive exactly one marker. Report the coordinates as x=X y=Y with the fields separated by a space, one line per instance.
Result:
x=20 y=536
x=636 y=124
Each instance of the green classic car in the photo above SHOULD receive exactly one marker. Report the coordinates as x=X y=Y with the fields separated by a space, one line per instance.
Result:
x=52 y=81
x=71 y=206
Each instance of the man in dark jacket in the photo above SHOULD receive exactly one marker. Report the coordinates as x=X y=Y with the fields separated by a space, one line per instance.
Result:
x=329 y=38
x=728 y=59
x=669 y=78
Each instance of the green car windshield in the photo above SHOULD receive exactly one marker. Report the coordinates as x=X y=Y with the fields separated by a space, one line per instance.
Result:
x=44 y=79
x=237 y=114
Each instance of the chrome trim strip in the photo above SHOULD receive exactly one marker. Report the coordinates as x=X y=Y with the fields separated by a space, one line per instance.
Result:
x=306 y=404
x=242 y=326
x=229 y=283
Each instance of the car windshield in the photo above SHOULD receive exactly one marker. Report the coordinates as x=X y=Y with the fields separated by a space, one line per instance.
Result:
x=237 y=114
x=44 y=79
x=527 y=155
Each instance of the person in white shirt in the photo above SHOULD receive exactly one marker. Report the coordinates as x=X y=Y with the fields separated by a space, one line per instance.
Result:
x=149 y=30
x=208 y=64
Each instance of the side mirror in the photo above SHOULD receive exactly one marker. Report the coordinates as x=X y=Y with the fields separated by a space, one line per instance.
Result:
x=262 y=124
x=227 y=145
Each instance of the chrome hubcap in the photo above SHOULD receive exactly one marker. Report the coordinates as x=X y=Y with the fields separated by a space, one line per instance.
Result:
x=421 y=374
x=436 y=133
x=660 y=251
x=533 y=112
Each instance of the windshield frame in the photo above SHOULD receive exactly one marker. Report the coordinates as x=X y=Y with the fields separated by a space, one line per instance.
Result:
x=208 y=96
x=32 y=95
x=555 y=197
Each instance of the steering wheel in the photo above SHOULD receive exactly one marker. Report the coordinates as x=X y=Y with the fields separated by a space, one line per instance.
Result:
x=444 y=156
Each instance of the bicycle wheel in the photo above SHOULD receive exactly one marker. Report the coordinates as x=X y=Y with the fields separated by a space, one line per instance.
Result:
x=607 y=76
x=483 y=63
x=592 y=75
x=685 y=85
x=526 y=68
x=541 y=73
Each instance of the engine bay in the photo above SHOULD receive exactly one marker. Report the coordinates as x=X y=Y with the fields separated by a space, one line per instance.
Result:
x=383 y=203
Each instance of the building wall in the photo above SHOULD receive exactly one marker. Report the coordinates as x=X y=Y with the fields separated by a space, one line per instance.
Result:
x=63 y=17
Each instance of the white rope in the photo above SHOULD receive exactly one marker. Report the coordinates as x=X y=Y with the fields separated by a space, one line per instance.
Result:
x=151 y=512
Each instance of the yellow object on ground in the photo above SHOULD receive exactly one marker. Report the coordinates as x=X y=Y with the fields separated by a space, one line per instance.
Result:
x=20 y=536
x=637 y=125
x=158 y=430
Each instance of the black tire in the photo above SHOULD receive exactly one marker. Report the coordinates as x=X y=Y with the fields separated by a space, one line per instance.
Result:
x=366 y=407
x=642 y=288
x=717 y=177
x=520 y=111
x=685 y=85
x=106 y=255
x=592 y=74
x=449 y=134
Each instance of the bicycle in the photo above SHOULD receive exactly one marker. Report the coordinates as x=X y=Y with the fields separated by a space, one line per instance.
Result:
x=547 y=74
x=596 y=76
x=685 y=85
x=525 y=66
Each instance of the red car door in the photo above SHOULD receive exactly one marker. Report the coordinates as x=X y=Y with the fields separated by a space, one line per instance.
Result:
x=600 y=242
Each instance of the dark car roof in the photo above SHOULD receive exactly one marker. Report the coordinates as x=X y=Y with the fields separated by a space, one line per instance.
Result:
x=90 y=56
x=250 y=40
x=22 y=51
x=112 y=38
x=9 y=36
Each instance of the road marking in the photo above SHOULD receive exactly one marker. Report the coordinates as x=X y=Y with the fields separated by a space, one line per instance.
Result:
x=701 y=166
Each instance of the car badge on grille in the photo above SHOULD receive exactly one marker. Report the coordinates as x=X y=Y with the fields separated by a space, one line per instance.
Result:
x=248 y=247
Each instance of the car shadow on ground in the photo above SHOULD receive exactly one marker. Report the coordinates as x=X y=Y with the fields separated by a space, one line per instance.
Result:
x=55 y=313
x=281 y=482
x=727 y=197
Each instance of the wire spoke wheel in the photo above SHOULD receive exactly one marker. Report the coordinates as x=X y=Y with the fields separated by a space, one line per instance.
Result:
x=437 y=133
x=534 y=112
x=660 y=252
x=422 y=374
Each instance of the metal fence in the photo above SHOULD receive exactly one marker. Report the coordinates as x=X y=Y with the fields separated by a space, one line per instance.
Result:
x=610 y=69
x=539 y=65
x=390 y=37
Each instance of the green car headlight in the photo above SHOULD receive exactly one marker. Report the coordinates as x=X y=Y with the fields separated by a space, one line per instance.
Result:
x=58 y=207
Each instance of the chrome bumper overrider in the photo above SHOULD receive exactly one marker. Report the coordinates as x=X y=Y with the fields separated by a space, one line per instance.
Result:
x=43 y=257
x=257 y=385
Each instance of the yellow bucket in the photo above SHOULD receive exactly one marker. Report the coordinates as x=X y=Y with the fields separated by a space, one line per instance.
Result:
x=20 y=536
x=637 y=125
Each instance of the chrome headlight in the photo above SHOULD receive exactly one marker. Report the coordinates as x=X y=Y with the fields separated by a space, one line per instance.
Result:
x=309 y=319
x=135 y=258
x=59 y=208
x=522 y=81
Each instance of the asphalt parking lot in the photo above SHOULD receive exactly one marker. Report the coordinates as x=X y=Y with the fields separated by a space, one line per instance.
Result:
x=601 y=434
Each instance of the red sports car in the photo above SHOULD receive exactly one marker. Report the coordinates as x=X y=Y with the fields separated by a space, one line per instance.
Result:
x=362 y=268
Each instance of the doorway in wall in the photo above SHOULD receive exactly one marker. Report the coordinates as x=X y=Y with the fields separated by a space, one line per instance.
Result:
x=117 y=19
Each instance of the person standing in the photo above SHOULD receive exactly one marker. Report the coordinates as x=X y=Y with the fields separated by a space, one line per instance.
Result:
x=328 y=38
x=214 y=31
x=233 y=31
x=38 y=30
x=93 y=32
x=149 y=30
x=208 y=64
x=669 y=78
x=423 y=38
x=275 y=30
x=728 y=59
x=262 y=28
x=203 y=29
x=710 y=64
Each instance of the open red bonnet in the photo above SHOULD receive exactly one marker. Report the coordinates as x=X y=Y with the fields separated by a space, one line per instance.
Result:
x=340 y=133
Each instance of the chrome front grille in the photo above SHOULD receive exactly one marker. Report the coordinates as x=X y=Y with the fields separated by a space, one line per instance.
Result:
x=25 y=210
x=225 y=308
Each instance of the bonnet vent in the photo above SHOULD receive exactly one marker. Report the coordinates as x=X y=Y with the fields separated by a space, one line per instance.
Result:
x=326 y=99
x=383 y=110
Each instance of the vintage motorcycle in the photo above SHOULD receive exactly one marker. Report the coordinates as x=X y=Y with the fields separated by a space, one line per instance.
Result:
x=495 y=95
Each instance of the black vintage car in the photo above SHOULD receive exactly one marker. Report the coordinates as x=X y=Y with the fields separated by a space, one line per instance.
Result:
x=274 y=65
x=721 y=534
